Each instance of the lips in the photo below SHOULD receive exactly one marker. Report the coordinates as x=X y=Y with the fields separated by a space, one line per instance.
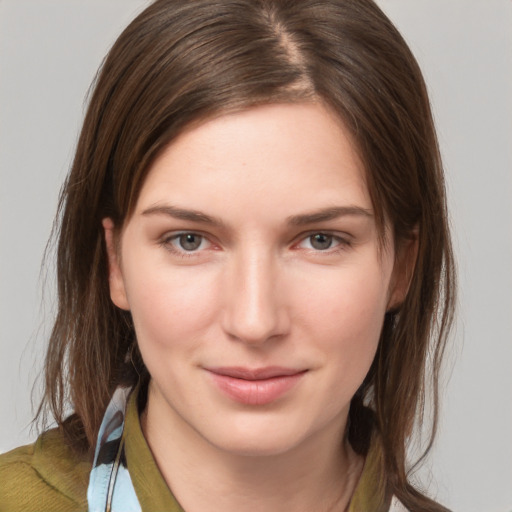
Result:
x=257 y=386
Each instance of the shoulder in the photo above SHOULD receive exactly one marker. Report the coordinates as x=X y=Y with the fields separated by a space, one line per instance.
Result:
x=45 y=476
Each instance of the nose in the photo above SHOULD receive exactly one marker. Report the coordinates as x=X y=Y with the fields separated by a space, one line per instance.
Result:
x=254 y=310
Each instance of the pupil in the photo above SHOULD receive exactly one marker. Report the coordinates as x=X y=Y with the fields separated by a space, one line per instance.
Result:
x=190 y=242
x=321 y=241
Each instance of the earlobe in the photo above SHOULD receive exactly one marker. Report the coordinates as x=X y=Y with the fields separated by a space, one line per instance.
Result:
x=115 y=276
x=405 y=263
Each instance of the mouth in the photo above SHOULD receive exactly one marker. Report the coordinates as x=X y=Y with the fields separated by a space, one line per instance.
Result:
x=258 y=386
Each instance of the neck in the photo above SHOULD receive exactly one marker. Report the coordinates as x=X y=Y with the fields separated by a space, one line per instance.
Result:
x=320 y=474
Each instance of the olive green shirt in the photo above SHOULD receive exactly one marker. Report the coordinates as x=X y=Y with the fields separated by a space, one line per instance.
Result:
x=48 y=476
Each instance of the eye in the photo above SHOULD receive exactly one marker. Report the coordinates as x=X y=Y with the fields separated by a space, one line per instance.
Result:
x=322 y=242
x=186 y=242
x=190 y=241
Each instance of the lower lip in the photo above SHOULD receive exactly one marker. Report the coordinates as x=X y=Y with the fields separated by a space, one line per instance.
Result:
x=256 y=392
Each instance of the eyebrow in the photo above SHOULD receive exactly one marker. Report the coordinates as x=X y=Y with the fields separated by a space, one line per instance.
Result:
x=326 y=214
x=322 y=215
x=183 y=214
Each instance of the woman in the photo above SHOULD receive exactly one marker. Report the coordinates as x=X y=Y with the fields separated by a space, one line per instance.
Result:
x=253 y=264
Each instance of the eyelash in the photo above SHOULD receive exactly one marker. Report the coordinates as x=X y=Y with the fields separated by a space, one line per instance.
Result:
x=167 y=243
x=342 y=243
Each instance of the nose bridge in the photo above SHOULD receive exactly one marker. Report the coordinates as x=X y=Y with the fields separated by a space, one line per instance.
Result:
x=254 y=311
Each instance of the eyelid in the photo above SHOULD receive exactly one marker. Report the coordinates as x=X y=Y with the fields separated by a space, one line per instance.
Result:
x=344 y=240
x=167 y=239
x=178 y=232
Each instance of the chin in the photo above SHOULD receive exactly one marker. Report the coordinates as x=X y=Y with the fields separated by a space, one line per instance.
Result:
x=245 y=447
x=256 y=438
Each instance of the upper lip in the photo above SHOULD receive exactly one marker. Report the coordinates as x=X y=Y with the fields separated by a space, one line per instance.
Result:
x=267 y=372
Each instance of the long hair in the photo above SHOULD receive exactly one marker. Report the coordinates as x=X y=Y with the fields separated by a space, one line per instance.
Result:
x=179 y=63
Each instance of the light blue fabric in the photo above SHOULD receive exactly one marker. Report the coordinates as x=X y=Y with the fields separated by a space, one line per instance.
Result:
x=110 y=486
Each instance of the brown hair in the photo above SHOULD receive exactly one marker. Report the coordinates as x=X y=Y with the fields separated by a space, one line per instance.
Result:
x=181 y=62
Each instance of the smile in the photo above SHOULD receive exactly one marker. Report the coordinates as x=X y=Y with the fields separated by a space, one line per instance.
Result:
x=255 y=386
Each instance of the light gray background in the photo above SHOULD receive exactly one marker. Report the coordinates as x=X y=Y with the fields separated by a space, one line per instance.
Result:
x=49 y=52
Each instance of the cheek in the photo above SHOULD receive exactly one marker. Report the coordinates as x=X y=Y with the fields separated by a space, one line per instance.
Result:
x=348 y=300
x=170 y=306
x=345 y=315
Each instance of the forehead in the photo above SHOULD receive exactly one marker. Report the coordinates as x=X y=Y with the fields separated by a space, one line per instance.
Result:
x=277 y=157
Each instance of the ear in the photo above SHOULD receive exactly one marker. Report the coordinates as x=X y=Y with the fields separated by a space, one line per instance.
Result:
x=115 y=275
x=405 y=262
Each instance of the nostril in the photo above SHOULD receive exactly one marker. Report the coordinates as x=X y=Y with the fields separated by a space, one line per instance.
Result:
x=255 y=322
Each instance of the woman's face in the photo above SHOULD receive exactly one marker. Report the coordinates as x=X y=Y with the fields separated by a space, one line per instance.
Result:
x=252 y=270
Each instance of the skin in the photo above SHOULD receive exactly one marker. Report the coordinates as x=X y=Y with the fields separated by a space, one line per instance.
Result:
x=266 y=284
